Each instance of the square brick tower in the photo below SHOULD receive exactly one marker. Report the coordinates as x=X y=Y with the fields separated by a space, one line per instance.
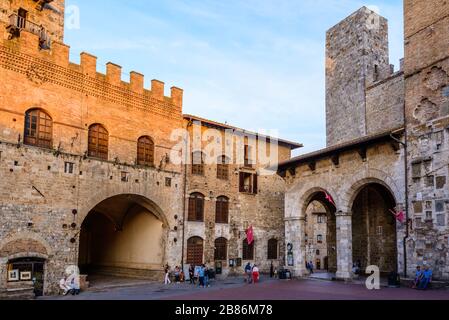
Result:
x=45 y=17
x=356 y=53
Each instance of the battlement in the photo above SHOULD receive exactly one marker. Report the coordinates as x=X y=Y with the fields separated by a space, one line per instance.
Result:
x=58 y=68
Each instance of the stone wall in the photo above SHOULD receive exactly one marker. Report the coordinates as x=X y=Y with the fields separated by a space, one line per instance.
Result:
x=427 y=116
x=356 y=48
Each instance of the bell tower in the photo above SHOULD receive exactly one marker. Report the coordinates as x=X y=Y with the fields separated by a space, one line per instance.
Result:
x=42 y=17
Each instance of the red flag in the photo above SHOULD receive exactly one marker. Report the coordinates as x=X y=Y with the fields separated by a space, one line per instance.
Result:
x=250 y=235
x=400 y=216
x=329 y=198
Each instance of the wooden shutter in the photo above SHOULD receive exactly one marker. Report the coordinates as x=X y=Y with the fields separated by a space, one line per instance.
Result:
x=195 y=251
x=242 y=182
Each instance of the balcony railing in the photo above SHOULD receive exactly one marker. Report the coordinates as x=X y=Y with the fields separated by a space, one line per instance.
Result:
x=18 y=23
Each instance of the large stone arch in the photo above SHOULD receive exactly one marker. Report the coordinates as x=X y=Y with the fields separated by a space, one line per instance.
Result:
x=356 y=182
x=145 y=202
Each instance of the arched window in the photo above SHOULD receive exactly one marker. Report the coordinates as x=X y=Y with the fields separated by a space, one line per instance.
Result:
x=196 y=207
x=319 y=238
x=198 y=163
x=272 y=249
x=222 y=210
x=145 y=151
x=223 y=168
x=221 y=249
x=248 y=250
x=98 y=142
x=195 y=251
x=38 y=129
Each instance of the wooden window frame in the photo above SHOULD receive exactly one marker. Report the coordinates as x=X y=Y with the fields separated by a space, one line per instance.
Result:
x=98 y=143
x=145 y=151
x=221 y=249
x=223 y=168
x=197 y=168
x=196 y=207
x=253 y=187
x=273 y=249
x=38 y=129
x=222 y=210
x=247 y=250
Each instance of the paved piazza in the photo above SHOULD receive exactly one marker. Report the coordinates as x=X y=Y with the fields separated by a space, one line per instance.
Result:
x=235 y=289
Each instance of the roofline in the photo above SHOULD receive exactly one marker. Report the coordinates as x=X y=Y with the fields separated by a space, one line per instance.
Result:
x=347 y=146
x=291 y=144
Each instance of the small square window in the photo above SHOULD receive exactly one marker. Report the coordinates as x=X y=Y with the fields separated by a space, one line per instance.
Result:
x=69 y=167
x=429 y=215
x=439 y=206
x=168 y=182
x=125 y=176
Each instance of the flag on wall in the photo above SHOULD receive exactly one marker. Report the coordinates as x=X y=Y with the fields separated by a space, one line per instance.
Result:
x=329 y=198
x=400 y=216
x=250 y=235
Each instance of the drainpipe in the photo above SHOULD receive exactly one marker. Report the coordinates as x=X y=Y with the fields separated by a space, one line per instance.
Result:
x=186 y=140
x=407 y=206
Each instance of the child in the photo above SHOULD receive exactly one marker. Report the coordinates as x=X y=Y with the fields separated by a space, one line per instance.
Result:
x=255 y=274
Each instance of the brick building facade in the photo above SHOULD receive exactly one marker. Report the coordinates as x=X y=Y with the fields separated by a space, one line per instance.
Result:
x=89 y=175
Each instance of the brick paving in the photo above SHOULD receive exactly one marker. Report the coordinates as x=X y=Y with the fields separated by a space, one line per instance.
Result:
x=235 y=289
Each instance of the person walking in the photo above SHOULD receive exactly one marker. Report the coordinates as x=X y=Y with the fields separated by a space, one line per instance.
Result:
x=271 y=270
x=256 y=274
x=167 y=274
x=206 y=276
x=311 y=267
x=177 y=275
x=248 y=273
x=192 y=274
x=201 y=276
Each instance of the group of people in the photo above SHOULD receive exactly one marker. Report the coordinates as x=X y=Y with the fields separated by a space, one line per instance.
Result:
x=423 y=278
x=201 y=274
x=252 y=273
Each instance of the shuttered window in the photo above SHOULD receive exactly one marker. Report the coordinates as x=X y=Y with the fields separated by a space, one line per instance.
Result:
x=221 y=249
x=223 y=168
x=248 y=250
x=198 y=163
x=98 y=142
x=38 y=129
x=222 y=210
x=272 y=249
x=145 y=151
x=196 y=207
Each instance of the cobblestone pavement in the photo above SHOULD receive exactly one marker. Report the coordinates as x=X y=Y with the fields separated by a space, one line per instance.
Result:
x=235 y=289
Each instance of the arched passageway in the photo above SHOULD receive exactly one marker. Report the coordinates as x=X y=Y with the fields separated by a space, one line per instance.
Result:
x=321 y=232
x=123 y=236
x=374 y=228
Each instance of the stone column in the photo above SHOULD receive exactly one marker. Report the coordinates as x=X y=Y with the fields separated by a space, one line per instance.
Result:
x=344 y=245
x=295 y=235
x=3 y=274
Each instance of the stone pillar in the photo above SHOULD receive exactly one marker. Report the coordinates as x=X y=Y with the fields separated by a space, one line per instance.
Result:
x=295 y=235
x=344 y=245
x=3 y=273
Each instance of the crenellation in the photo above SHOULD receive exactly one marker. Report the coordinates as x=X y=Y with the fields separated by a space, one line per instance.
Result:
x=88 y=63
x=113 y=74
x=157 y=89
x=136 y=82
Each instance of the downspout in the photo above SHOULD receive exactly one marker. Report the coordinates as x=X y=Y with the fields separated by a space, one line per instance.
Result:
x=407 y=206
x=186 y=145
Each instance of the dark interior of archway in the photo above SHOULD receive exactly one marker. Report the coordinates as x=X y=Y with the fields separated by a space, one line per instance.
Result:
x=374 y=229
x=331 y=236
x=120 y=237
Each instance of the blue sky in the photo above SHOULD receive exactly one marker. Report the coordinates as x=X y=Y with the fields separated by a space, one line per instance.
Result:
x=253 y=64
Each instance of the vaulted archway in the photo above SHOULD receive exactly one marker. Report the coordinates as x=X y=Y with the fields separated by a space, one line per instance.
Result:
x=124 y=235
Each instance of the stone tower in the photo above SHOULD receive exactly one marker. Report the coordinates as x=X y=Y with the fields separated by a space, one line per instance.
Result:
x=34 y=15
x=356 y=53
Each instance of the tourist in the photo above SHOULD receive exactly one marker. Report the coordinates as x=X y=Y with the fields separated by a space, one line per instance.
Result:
x=311 y=267
x=426 y=278
x=418 y=277
x=248 y=273
x=65 y=286
x=271 y=270
x=177 y=275
x=182 y=277
x=201 y=271
x=255 y=274
x=206 y=276
x=167 y=274
x=192 y=274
